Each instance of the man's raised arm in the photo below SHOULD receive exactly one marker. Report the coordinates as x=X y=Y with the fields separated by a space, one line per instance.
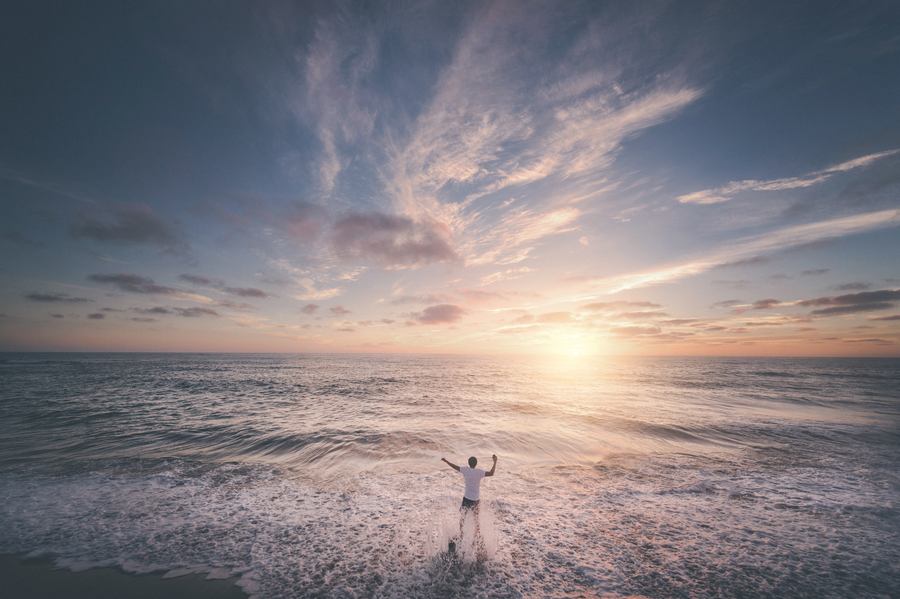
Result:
x=494 y=467
x=454 y=466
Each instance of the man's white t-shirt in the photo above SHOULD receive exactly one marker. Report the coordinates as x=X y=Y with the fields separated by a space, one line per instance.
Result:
x=473 y=478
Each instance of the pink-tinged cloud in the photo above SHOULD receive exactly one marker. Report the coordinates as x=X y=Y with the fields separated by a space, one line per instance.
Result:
x=391 y=241
x=765 y=304
x=440 y=314
x=303 y=221
x=555 y=317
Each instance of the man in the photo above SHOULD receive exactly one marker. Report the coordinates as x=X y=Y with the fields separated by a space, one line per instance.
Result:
x=472 y=494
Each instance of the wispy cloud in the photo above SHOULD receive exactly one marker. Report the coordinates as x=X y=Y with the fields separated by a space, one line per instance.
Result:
x=505 y=275
x=726 y=192
x=339 y=62
x=487 y=130
x=774 y=241
x=49 y=186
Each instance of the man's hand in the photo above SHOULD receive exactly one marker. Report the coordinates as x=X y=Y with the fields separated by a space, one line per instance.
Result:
x=452 y=465
x=493 y=468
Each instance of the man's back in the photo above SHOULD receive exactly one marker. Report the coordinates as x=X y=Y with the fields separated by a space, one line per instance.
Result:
x=473 y=478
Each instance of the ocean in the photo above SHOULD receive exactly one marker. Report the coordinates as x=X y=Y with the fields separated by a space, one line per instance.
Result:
x=320 y=475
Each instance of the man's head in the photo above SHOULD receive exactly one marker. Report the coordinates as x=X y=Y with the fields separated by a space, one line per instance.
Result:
x=472 y=461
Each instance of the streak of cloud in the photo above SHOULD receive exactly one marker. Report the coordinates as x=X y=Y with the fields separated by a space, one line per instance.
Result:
x=58 y=298
x=728 y=191
x=774 y=241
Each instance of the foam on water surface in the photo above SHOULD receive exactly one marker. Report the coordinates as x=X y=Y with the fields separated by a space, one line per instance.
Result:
x=321 y=478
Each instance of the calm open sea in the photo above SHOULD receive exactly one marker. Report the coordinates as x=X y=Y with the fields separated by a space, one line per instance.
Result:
x=319 y=475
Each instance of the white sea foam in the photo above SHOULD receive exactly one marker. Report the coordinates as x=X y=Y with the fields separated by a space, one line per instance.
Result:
x=337 y=489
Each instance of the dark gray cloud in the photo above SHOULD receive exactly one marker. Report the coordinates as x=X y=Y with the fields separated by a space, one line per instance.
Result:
x=852 y=309
x=57 y=316
x=143 y=319
x=195 y=312
x=765 y=304
x=241 y=306
x=339 y=310
x=185 y=312
x=440 y=314
x=130 y=223
x=221 y=285
x=309 y=308
x=853 y=287
x=391 y=241
x=133 y=284
x=198 y=280
x=96 y=316
x=245 y=292
x=815 y=272
x=59 y=298
x=154 y=310
x=866 y=301
x=891 y=317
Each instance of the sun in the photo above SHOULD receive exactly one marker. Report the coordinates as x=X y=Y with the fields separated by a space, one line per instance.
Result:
x=573 y=345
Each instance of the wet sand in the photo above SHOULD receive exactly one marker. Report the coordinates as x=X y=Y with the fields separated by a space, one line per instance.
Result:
x=41 y=579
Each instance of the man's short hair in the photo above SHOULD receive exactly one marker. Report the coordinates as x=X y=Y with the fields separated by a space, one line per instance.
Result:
x=472 y=461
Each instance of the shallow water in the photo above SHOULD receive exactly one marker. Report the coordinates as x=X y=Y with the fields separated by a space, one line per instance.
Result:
x=319 y=475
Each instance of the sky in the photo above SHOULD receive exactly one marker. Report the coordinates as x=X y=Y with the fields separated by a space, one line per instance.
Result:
x=561 y=178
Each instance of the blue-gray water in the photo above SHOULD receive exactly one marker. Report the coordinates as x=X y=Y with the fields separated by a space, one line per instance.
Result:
x=312 y=475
